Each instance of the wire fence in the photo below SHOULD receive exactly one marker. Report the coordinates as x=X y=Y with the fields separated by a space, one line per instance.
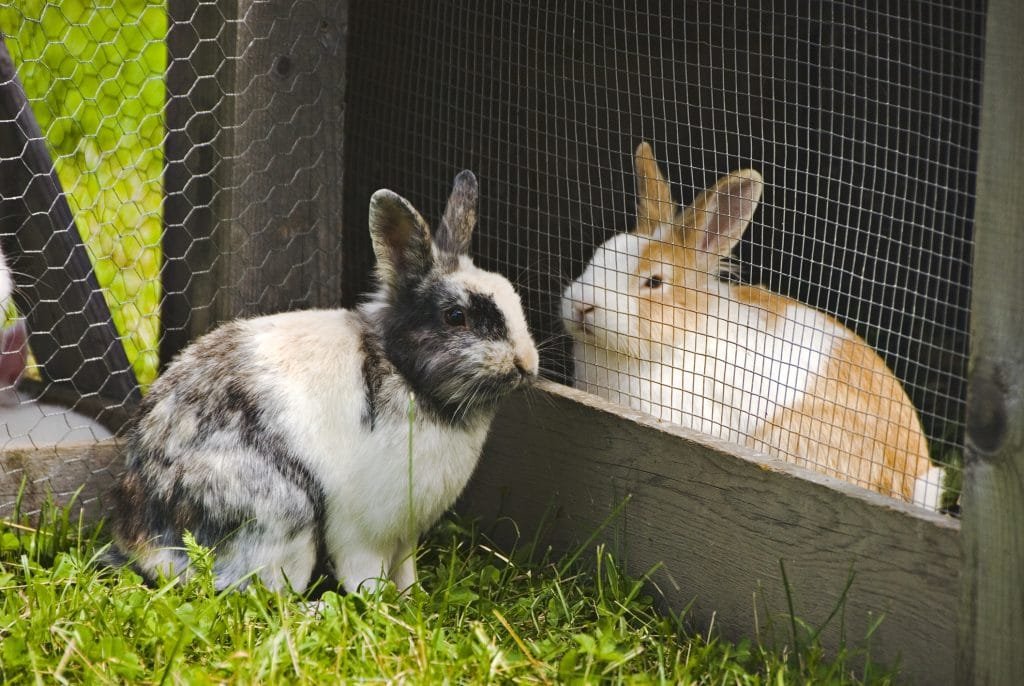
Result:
x=862 y=126
x=81 y=163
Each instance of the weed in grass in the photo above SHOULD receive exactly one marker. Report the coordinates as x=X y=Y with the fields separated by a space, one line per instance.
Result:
x=478 y=616
x=802 y=646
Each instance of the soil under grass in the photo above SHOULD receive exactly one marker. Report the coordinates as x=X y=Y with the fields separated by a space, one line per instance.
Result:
x=479 y=616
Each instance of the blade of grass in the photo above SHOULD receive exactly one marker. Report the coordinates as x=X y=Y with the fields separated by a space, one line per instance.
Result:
x=571 y=560
x=527 y=653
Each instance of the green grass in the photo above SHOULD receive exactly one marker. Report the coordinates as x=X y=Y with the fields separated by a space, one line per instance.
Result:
x=479 y=617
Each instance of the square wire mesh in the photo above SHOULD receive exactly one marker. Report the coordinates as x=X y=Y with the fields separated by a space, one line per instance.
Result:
x=863 y=124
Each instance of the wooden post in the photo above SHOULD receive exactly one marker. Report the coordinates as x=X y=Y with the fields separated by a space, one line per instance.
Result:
x=70 y=327
x=992 y=592
x=83 y=475
x=255 y=117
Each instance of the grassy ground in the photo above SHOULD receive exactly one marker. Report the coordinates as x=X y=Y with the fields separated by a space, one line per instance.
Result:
x=479 y=617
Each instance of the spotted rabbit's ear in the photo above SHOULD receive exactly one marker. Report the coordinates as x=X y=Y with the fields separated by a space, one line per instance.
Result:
x=654 y=205
x=718 y=217
x=456 y=229
x=401 y=240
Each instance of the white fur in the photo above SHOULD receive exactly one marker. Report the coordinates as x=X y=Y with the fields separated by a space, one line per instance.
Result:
x=928 y=488
x=472 y=278
x=726 y=380
x=607 y=285
x=6 y=284
x=365 y=475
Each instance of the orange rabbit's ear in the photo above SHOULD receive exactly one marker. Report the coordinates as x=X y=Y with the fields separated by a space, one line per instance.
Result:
x=716 y=220
x=654 y=205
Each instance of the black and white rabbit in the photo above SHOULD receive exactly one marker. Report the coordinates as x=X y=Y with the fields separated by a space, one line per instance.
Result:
x=283 y=442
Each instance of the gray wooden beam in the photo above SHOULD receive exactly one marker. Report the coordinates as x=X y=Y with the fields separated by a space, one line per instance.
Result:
x=715 y=520
x=992 y=595
x=255 y=117
x=84 y=474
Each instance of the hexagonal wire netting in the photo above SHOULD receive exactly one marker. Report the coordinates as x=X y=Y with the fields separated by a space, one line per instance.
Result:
x=862 y=124
x=81 y=160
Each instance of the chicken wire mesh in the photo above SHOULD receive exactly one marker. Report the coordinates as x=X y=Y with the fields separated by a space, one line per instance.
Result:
x=861 y=123
x=134 y=101
x=80 y=194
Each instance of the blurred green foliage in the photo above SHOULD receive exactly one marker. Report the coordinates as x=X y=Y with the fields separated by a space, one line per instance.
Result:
x=94 y=73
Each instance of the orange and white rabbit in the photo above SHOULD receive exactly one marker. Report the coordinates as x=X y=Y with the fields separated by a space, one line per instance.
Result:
x=655 y=328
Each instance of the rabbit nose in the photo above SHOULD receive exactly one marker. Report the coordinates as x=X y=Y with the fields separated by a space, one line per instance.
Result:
x=583 y=309
x=524 y=372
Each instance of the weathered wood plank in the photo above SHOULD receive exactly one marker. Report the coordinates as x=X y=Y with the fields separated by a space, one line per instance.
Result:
x=86 y=470
x=255 y=121
x=992 y=595
x=718 y=519
x=70 y=327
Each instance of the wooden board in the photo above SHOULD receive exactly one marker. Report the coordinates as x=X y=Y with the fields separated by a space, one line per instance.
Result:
x=992 y=598
x=255 y=116
x=83 y=474
x=714 y=520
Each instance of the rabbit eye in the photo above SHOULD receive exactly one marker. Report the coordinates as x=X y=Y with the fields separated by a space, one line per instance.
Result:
x=455 y=316
x=653 y=282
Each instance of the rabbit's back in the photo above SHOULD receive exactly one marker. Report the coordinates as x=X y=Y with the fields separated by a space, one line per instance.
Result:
x=784 y=378
x=855 y=421
x=744 y=361
x=208 y=455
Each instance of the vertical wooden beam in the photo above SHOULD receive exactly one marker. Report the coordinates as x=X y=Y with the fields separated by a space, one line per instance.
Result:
x=992 y=592
x=255 y=116
x=70 y=327
x=194 y=62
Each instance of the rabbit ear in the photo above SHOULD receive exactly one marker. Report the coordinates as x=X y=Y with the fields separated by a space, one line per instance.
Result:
x=654 y=204
x=459 y=220
x=401 y=240
x=720 y=215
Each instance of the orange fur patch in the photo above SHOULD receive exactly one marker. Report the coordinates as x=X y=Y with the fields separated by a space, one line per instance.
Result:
x=856 y=423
